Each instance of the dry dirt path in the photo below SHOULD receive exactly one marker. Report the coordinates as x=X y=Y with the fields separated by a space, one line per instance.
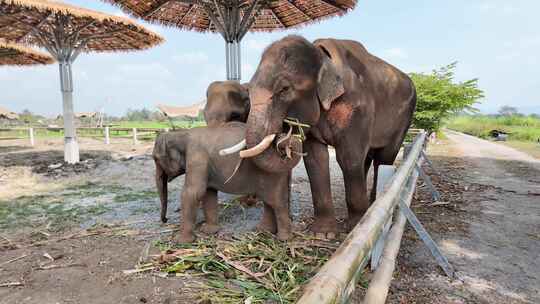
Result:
x=488 y=226
x=500 y=260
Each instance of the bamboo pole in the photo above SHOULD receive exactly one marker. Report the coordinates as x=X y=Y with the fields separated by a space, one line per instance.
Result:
x=335 y=281
x=380 y=283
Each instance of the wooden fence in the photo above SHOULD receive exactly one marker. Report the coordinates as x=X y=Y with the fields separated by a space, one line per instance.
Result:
x=32 y=134
x=337 y=279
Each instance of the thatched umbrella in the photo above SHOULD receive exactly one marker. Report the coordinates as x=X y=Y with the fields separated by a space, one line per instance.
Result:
x=234 y=18
x=66 y=31
x=7 y=114
x=14 y=54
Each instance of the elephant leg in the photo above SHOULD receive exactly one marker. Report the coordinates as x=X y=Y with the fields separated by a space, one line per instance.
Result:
x=210 y=208
x=318 y=170
x=161 y=184
x=192 y=193
x=268 y=220
x=354 y=174
x=277 y=200
x=373 y=195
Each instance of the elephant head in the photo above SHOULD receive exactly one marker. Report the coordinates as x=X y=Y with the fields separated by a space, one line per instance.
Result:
x=169 y=157
x=226 y=101
x=294 y=79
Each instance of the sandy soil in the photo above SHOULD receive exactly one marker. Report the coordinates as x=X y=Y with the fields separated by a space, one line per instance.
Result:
x=112 y=190
x=490 y=230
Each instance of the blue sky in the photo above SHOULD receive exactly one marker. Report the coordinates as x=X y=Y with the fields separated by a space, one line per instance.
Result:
x=494 y=40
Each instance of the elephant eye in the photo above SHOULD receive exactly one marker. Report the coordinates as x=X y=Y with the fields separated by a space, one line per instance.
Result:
x=285 y=89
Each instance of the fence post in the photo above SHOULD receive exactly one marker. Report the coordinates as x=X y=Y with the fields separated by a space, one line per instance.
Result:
x=135 y=141
x=107 y=136
x=31 y=132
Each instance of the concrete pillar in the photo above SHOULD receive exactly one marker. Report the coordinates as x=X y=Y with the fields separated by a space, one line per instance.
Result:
x=107 y=137
x=71 y=147
x=31 y=133
x=135 y=140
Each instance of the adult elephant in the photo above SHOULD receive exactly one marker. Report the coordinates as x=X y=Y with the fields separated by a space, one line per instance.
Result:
x=352 y=100
x=226 y=101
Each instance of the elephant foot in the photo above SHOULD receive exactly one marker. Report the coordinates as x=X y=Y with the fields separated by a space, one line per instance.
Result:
x=324 y=225
x=209 y=228
x=185 y=238
x=164 y=219
x=266 y=226
x=284 y=236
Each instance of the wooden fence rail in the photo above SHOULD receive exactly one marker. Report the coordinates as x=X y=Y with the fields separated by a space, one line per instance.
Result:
x=106 y=133
x=336 y=280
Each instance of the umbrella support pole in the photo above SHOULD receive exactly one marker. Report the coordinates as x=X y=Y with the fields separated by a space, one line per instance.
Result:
x=71 y=147
x=233 y=28
x=233 y=60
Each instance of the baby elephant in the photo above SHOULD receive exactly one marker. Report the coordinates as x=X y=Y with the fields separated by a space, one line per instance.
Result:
x=196 y=152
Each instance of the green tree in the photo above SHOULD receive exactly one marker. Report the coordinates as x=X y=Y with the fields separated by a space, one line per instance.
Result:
x=439 y=96
x=508 y=111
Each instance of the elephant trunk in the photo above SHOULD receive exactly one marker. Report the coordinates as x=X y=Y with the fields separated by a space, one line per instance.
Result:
x=264 y=127
x=161 y=184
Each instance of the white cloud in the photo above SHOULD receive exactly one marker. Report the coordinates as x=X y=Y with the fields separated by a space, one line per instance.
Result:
x=395 y=53
x=191 y=58
x=256 y=44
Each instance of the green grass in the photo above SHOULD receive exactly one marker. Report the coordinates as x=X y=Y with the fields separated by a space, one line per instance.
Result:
x=521 y=128
x=72 y=205
x=158 y=124
x=531 y=148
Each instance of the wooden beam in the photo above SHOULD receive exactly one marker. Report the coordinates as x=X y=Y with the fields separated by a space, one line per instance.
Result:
x=291 y=2
x=155 y=9
x=332 y=3
x=191 y=6
x=277 y=18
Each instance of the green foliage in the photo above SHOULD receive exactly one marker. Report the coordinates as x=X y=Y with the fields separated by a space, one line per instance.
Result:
x=439 y=96
x=523 y=128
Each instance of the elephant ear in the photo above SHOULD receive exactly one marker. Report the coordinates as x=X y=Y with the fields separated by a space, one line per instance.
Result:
x=330 y=83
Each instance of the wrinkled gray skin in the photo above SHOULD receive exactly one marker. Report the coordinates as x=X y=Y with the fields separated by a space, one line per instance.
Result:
x=352 y=100
x=194 y=152
x=226 y=101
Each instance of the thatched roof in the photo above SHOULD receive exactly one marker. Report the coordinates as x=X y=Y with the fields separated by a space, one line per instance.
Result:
x=277 y=14
x=85 y=114
x=13 y=54
x=5 y=113
x=25 y=20
x=189 y=111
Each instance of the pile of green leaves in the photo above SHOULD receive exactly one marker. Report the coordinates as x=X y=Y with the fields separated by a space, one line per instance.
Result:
x=439 y=97
x=272 y=271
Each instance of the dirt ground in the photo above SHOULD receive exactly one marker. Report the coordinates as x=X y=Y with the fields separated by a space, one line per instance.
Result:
x=97 y=217
x=489 y=230
x=68 y=232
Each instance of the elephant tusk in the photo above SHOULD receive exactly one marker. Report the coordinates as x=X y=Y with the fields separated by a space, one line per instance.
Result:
x=259 y=148
x=231 y=150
